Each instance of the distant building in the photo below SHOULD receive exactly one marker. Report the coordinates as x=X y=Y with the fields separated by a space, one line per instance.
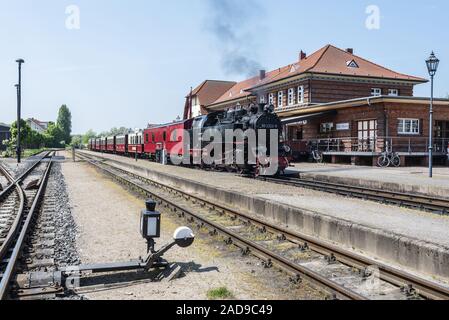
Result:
x=5 y=134
x=38 y=126
x=203 y=95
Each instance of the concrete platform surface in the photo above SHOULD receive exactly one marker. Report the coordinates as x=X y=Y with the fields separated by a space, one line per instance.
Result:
x=410 y=179
x=411 y=238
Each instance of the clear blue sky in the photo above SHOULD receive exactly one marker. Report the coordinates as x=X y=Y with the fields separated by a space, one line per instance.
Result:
x=132 y=62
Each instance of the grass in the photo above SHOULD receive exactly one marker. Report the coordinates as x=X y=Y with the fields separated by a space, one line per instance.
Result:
x=221 y=293
x=29 y=152
x=25 y=153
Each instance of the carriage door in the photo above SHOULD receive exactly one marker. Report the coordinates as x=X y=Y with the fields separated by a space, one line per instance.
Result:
x=367 y=135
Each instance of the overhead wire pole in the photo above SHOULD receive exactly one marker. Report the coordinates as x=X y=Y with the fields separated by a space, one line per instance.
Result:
x=19 y=107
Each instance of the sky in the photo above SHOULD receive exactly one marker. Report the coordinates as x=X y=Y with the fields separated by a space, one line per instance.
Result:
x=128 y=63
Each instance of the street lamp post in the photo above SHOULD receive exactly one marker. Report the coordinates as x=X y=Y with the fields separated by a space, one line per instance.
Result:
x=19 y=106
x=432 y=67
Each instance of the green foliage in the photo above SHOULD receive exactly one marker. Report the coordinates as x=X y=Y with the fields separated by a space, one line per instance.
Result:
x=25 y=133
x=115 y=132
x=54 y=136
x=64 y=123
x=77 y=141
x=221 y=293
x=88 y=135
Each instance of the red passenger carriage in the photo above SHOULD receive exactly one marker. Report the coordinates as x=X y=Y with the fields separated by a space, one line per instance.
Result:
x=110 y=144
x=168 y=137
x=135 y=144
x=121 y=144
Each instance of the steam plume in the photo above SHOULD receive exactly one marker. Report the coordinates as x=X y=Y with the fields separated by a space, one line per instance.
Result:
x=227 y=23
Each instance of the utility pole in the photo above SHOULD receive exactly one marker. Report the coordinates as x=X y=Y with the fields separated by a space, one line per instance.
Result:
x=19 y=106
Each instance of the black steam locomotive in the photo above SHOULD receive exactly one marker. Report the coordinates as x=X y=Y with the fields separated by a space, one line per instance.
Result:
x=241 y=140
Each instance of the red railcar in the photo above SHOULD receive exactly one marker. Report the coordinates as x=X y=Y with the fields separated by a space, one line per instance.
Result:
x=102 y=144
x=110 y=144
x=121 y=144
x=135 y=144
x=96 y=144
x=168 y=137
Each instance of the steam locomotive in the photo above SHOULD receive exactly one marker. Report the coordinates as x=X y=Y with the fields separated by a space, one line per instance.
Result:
x=249 y=141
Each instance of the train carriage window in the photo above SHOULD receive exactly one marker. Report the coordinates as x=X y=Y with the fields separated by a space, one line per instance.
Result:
x=153 y=137
x=164 y=136
x=147 y=138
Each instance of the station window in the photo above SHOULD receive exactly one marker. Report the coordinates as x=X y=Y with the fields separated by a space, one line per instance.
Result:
x=326 y=127
x=408 y=126
x=262 y=99
x=291 y=96
x=301 y=94
x=280 y=99
x=271 y=98
x=393 y=92
x=376 y=92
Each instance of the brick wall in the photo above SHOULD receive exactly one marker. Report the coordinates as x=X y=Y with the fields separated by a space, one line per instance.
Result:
x=328 y=91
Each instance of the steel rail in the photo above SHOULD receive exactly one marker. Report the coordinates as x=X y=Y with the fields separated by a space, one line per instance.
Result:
x=414 y=201
x=427 y=289
x=255 y=249
x=14 y=242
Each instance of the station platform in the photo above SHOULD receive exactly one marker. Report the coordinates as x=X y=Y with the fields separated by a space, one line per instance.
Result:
x=414 y=240
x=406 y=179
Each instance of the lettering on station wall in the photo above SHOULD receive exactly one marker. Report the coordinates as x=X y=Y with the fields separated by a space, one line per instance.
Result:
x=343 y=126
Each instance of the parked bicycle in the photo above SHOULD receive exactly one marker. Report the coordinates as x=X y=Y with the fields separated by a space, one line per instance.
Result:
x=389 y=158
x=317 y=156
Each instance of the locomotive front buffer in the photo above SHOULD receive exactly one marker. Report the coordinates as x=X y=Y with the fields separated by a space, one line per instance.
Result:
x=38 y=285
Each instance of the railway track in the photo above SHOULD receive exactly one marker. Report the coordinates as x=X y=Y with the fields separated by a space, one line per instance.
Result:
x=328 y=266
x=19 y=202
x=413 y=201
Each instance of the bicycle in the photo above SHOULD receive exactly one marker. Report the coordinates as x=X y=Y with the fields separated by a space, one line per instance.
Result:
x=389 y=158
x=317 y=156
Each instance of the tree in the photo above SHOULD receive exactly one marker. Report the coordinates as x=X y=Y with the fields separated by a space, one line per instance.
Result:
x=25 y=133
x=77 y=141
x=53 y=136
x=88 y=135
x=64 y=123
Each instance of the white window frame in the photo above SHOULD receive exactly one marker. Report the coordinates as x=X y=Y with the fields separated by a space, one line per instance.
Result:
x=291 y=97
x=411 y=132
x=326 y=127
x=271 y=99
x=376 y=92
x=300 y=94
x=280 y=99
x=393 y=92
x=262 y=98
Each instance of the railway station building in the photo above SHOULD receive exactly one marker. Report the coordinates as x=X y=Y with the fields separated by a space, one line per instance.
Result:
x=347 y=107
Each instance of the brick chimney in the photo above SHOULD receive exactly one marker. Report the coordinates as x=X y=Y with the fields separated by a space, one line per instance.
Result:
x=350 y=50
x=262 y=74
x=302 y=55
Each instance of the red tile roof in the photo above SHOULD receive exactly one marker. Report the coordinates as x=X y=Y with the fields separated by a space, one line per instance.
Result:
x=210 y=90
x=328 y=60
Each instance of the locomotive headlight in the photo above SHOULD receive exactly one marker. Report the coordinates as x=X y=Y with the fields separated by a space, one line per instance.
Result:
x=287 y=148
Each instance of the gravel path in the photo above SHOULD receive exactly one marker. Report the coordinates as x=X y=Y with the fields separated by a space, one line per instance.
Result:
x=108 y=221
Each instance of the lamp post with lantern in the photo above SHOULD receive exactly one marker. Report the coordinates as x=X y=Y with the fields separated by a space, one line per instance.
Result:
x=432 y=67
